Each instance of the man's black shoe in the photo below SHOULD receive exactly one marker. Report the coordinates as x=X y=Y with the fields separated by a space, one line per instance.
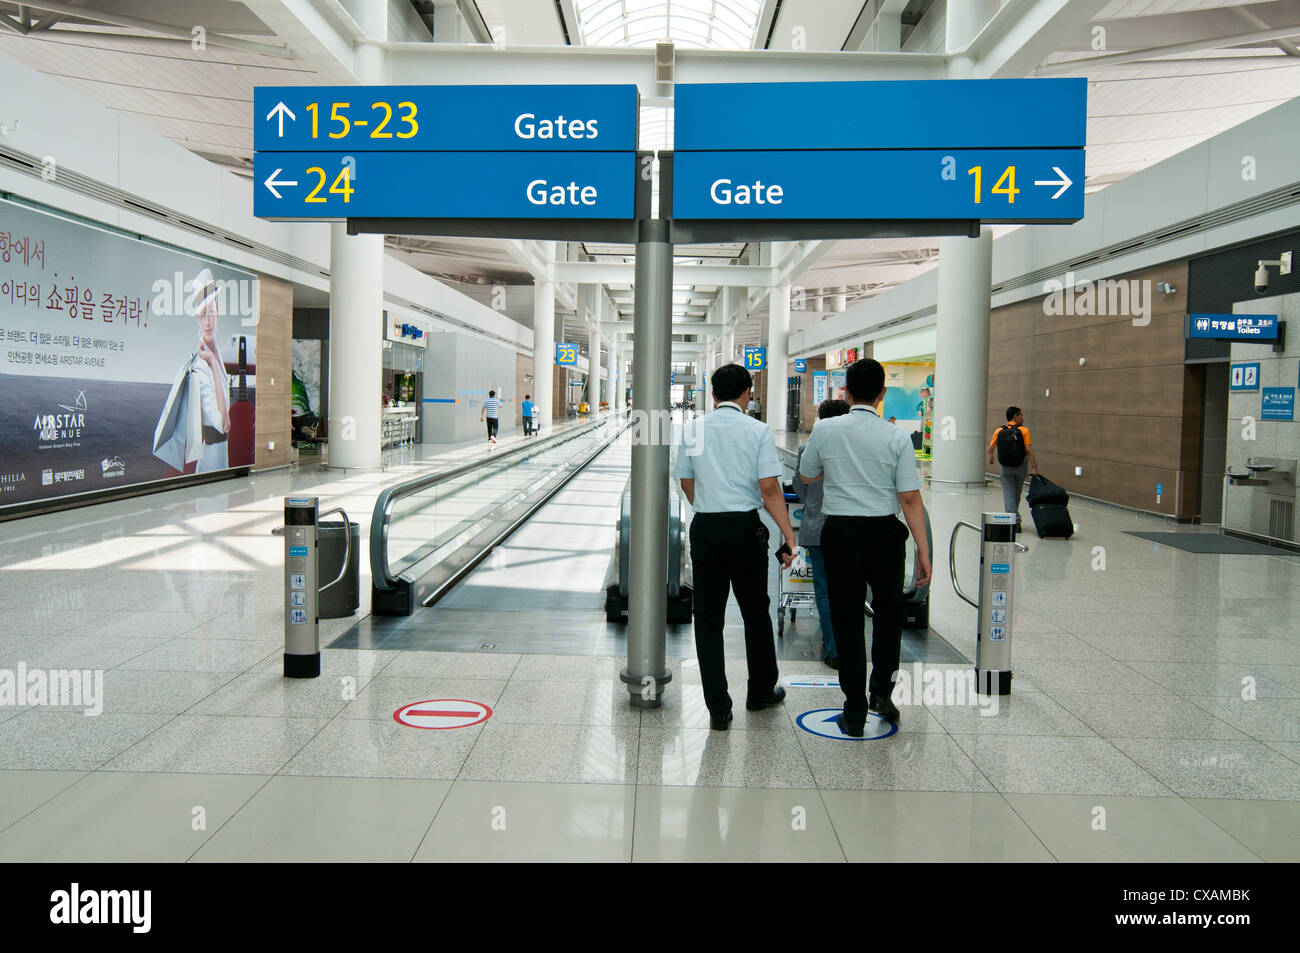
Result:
x=833 y=662
x=853 y=731
x=777 y=696
x=720 y=722
x=883 y=706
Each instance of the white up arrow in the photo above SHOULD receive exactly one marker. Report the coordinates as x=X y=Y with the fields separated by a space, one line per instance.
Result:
x=281 y=110
x=1064 y=182
x=270 y=182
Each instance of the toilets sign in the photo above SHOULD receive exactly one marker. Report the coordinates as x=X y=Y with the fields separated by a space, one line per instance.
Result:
x=475 y=152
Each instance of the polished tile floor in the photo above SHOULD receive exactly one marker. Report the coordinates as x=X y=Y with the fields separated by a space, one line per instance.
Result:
x=1154 y=717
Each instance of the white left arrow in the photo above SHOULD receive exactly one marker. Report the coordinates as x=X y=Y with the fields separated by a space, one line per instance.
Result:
x=281 y=110
x=271 y=183
x=1064 y=182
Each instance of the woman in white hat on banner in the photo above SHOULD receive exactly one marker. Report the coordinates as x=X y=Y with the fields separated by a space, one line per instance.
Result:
x=209 y=369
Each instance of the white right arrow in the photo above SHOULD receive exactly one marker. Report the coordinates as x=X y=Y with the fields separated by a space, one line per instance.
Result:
x=271 y=183
x=282 y=110
x=1064 y=182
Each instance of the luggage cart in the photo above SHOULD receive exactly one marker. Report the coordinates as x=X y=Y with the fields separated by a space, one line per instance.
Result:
x=795 y=585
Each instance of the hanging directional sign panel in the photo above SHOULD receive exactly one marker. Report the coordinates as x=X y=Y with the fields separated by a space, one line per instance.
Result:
x=445 y=152
x=445 y=118
x=1035 y=185
x=884 y=114
x=986 y=150
x=583 y=185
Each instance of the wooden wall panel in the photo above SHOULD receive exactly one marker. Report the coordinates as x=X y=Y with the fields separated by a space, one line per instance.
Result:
x=274 y=372
x=1129 y=416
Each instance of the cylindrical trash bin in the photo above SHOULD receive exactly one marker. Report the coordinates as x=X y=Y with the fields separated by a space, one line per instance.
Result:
x=342 y=599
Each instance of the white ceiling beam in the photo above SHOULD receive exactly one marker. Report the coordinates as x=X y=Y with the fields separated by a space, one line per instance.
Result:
x=472 y=63
x=622 y=273
x=688 y=327
x=316 y=33
x=1023 y=33
x=1192 y=46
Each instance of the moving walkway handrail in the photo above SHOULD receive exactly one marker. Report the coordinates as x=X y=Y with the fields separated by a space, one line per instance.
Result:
x=381 y=576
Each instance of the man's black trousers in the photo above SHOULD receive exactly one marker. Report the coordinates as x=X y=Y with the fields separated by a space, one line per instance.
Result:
x=862 y=551
x=729 y=552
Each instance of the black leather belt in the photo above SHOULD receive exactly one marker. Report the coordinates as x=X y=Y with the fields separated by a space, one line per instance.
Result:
x=211 y=435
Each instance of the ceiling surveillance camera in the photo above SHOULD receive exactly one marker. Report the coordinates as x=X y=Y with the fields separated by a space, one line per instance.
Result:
x=1261 y=279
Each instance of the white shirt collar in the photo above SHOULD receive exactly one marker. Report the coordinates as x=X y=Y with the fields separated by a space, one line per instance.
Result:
x=867 y=407
x=729 y=403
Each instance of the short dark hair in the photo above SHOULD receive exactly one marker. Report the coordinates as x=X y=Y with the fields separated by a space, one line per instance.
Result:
x=730 y=381
x=1011 y=412
x=492 y=393
x=865 y=379
x=832 y=407
x=528 y=396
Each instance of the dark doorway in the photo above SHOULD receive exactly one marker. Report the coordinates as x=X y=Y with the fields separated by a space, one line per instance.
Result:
x=1214 y=440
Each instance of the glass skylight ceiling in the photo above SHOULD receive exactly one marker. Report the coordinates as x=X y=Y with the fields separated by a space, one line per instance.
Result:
x=703 y=24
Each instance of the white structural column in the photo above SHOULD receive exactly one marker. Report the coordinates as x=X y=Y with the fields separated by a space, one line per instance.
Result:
x=961 y=363
x=357 y=307
x=611 y=385
x=961 y=371
x=778 y=352
x=593 y=364
x=543 y=348
x=838 y=301
x=356 y=347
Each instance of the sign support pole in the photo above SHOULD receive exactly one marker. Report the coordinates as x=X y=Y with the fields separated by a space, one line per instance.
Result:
x=646 y=673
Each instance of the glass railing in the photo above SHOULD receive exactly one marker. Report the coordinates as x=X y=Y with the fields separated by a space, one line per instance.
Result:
x=420 y=520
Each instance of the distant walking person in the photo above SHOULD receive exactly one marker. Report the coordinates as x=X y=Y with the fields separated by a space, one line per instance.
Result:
x=728 y=469
x=810 y=535
x=491 y=412
x=529 y=410
x=1015 y=456
x=870 y=473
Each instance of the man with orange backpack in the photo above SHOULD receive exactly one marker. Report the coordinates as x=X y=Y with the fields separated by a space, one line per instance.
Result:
x=1015 y=456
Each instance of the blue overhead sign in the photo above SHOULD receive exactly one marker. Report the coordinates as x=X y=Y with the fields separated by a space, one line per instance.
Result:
x=1008 y=150
x=586 y=185
x=800 y=365
x=1233 y=327
x=889 y=114
x=755 y=358
x=566 y=355
x=998 y=185
x=445 y=118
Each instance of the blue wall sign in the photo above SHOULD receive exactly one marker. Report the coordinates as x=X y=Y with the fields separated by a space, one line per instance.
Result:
x=800 y=365
x=1233 y=327
x=1277 y=403
x=445 y=118
x=890 y=114
x=755 y=358
x=444 y=185
x=998 y=185
x=566 y=355
x=1244 y=376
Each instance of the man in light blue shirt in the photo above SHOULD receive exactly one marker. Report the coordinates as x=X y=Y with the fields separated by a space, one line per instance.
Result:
x=728 y=468
x=870 y=472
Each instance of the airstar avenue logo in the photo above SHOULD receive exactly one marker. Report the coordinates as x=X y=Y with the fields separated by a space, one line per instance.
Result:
x=64 y=426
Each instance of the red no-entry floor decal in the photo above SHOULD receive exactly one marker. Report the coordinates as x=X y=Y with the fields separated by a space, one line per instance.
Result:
x=441 y=713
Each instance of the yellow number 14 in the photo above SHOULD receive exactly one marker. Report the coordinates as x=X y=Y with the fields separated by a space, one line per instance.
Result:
x=1006 y=185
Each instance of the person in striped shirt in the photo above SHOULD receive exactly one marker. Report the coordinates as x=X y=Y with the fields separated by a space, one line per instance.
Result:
x=492 y=414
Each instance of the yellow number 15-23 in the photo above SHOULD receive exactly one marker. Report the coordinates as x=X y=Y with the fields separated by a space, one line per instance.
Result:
x=345 y=125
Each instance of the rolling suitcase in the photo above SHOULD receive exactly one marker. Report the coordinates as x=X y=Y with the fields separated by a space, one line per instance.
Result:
x=1044 y=491
x=1052 y=519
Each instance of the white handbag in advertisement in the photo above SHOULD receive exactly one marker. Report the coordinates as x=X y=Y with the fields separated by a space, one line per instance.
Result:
x=178 y=438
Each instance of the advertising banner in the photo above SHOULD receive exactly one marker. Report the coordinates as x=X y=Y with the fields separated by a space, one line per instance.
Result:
x=121 y=362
